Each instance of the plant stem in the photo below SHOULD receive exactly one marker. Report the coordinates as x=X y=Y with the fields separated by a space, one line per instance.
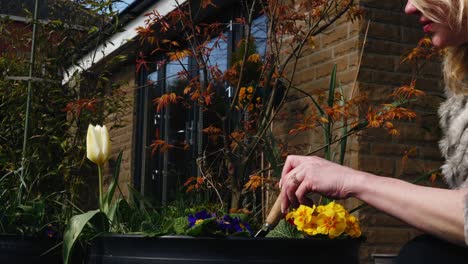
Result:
x=100 y=187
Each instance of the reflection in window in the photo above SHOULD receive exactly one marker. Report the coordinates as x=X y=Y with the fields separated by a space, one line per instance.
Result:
x=218 y=54
x=259 y=33
x=173 y=77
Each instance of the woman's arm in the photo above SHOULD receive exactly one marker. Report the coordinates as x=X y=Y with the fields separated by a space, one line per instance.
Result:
x=439 y=212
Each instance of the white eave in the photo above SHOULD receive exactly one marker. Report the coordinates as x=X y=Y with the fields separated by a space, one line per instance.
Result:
x=119 y=39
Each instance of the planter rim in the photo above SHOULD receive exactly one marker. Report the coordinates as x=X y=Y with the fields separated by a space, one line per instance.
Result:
x=23 y=236
x=184 y=237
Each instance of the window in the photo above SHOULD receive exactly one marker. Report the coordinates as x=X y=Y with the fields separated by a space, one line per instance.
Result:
x=161 y=175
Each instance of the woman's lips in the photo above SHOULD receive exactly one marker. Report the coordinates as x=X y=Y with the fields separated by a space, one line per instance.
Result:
x=427 y=28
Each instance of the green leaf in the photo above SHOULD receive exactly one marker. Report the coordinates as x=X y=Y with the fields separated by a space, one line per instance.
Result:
x=180 y=225
x=114 y=208
x=207 y=227
x=93 y=30
x=332 y=87
x=115 y=181
x=344 y=130
x=75 y=227
x=285 y=230
x=331 y=99
x=242 y=217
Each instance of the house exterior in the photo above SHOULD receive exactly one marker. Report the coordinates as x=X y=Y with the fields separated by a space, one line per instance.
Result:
x=386 y=34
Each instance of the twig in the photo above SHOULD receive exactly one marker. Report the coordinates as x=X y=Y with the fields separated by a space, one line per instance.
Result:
x=360 y=59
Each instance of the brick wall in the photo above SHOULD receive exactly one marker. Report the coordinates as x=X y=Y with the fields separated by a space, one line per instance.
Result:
x=122 y=138
x=339 y=45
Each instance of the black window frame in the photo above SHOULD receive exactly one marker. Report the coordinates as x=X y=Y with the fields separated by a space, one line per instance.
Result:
x=144 y=164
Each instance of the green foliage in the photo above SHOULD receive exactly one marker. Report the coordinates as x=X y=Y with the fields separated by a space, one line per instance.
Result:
x=95 y=218
x=53 y=169
x=180 y=225
x=206 y=228
x=285 y=230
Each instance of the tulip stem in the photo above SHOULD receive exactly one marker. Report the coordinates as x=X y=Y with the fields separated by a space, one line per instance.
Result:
x=100 y=187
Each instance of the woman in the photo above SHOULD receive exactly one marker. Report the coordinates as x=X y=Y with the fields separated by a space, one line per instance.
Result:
x=442 y=213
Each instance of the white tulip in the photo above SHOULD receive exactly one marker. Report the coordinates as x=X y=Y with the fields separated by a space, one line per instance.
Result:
x=98 y=144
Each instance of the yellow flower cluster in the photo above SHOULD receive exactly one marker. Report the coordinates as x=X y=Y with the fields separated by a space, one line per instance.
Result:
x=331 y=219
x=245 y=98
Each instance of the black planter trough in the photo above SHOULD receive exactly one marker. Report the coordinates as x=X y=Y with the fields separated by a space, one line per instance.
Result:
x=26 y=250
x=119 y=249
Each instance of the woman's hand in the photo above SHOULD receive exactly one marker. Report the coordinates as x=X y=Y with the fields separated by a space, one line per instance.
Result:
x=302 y=175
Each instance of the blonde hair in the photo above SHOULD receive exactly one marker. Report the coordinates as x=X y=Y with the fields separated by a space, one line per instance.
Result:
x=454 y=13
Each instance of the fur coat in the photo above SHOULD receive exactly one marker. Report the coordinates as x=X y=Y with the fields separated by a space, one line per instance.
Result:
x=453 y=115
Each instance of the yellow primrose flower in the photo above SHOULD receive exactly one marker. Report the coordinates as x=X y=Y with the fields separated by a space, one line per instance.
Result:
x=352 y=226
x=290 y=215
x=337 y=208
x=332 y=220
x=311 y=227
x=331 y=223
x=250 y=89
x=303 y=216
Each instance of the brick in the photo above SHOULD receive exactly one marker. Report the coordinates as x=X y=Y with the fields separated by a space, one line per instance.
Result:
x=320 y=57
x=345 y=47
x=317 y=85
x=386 y=149
x=411 y=35
x=325 y=70
x=380 y=219
x=414 y=168
x=390 y=78
x=377 y=165
x=353 y=59
x=304 y=76
x=387 y=47
x=388 y=235
x=347 y=77
x=333 y=36
x=384 y=16
x=378 y=62
x=384 y=31
x=432 y=69
x=377 y=92
x=415 y=133
x=430 y=153
x=385 y=5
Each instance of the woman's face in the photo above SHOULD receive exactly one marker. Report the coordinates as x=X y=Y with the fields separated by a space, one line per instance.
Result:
x=442 y=35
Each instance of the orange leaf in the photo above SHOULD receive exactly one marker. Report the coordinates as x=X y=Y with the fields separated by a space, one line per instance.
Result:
x=190 y=188
x=178 y=55
x=254 y=58
x=189 y=180
x=200 y=180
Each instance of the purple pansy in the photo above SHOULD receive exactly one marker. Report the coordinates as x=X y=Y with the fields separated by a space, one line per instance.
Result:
x=232 y=225
x=202 y=215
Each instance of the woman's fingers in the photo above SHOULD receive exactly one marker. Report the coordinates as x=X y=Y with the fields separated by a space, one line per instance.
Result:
x=301 y=193
x=291 y=181
x=291 y=163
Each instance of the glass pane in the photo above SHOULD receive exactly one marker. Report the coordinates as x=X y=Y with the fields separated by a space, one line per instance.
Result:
x=173 y=74
x=176 y=129
x=218 y=55
x=259 y=33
